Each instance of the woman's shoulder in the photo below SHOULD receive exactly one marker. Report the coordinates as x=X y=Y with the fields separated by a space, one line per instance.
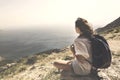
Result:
x=82 y=40
x=79 y=38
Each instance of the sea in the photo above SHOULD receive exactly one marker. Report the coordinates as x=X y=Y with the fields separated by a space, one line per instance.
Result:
x=15 y=44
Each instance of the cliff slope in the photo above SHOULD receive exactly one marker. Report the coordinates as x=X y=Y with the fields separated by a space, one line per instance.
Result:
x=39 y=67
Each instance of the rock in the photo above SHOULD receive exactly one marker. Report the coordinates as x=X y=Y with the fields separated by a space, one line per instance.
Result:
x=10 y=64
x=103 y=76
x=68 y=75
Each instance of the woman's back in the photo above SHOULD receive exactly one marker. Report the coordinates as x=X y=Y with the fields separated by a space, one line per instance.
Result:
x=83 y=48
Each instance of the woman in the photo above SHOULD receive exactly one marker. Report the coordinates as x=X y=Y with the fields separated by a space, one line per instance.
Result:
x=81 y=50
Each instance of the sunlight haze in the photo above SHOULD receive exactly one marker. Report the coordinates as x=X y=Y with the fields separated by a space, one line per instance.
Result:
x=15 y=14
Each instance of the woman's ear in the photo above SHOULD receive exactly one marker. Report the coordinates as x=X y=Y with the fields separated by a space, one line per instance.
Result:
x=77 y=30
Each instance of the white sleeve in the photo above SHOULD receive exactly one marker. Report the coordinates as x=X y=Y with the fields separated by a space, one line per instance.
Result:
x=80 y=48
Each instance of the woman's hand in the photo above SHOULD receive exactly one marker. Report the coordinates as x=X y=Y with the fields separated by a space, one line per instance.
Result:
x=72 y=48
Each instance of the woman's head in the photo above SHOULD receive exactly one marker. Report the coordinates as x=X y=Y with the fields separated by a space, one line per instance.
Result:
x=83 y=27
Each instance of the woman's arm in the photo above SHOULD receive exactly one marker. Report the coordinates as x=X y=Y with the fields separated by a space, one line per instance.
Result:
x=80 y=58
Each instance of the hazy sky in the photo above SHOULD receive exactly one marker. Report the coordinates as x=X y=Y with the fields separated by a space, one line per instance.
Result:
x=47 y=13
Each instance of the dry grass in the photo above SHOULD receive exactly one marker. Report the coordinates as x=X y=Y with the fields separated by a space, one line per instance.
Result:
x=39 y=67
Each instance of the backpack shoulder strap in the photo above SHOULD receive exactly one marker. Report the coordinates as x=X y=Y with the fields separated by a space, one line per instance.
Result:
x=101 y=38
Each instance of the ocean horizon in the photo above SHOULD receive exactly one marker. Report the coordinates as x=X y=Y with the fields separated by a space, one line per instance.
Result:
x=15 y=44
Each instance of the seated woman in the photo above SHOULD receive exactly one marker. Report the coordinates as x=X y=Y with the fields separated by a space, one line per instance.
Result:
x=81 y=50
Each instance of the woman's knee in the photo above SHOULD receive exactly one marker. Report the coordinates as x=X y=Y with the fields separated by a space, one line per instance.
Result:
x=55 y=63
